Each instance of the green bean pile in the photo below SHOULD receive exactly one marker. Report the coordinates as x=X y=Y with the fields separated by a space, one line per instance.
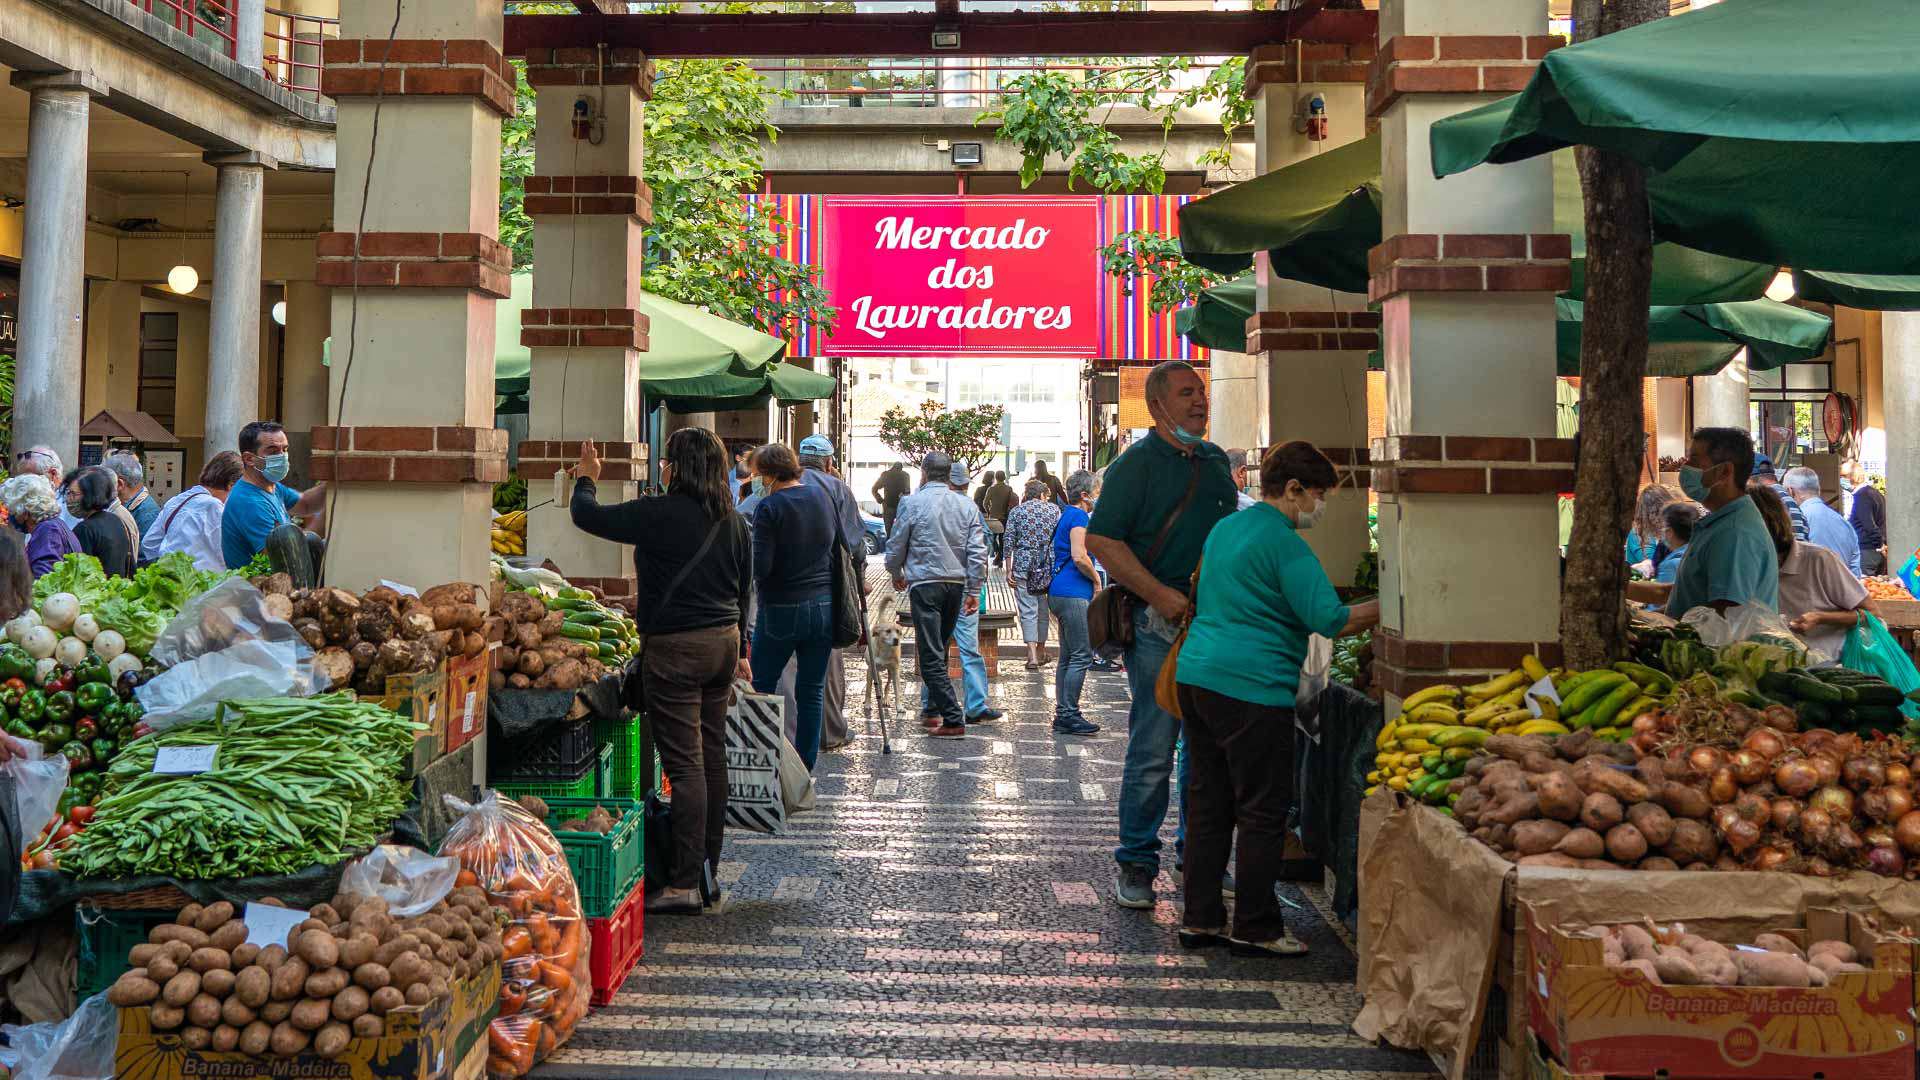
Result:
x=296 y=782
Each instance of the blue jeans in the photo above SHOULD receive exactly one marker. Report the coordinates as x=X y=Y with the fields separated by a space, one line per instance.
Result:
x=803 y=631
x=973 y=667
x=1151 y=734
x=1075 y=657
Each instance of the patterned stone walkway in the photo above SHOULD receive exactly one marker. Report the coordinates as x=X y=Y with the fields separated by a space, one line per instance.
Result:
x=945 y=912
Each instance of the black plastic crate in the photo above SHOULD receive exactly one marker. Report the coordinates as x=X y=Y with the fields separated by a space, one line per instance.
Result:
x=560 y=755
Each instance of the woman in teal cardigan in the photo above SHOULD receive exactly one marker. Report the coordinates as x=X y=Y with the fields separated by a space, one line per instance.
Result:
x=1261 y=595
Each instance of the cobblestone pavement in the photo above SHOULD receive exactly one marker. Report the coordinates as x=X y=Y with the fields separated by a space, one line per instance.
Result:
x=946 y=911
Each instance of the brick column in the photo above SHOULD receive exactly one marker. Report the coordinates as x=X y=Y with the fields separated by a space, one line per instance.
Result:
x=410 y=445
x=1465 y=279
x=1310 y=344
x=586 y=335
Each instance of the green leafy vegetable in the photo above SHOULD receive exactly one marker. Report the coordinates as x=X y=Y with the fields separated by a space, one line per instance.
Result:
x=80 y=575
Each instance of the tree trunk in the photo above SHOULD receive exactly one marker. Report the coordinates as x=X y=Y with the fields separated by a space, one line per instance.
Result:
x=1613 y=367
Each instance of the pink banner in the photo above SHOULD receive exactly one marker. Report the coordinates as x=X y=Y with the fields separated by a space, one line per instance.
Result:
x=931 y=275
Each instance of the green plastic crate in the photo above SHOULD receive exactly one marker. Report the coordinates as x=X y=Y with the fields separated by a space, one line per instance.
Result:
x=629 y=739
x=604 y=867
x=105 y=938
x=587 y=787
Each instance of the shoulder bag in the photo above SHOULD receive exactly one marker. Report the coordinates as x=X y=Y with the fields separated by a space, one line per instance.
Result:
x=1110 y=615
x=849 y=597
x=633 y=688
x=1166 y=692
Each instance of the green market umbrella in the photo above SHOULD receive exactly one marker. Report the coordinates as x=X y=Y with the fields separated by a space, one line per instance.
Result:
x=1870 y=292
x=784 y=383
x=1684 y=339
x=1782 y=131
x=1316 y=220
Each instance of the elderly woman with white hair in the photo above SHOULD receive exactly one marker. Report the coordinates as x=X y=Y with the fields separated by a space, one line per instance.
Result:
x=33 y=509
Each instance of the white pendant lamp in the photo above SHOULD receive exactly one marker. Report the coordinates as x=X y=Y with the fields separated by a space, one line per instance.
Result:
x=183 y=278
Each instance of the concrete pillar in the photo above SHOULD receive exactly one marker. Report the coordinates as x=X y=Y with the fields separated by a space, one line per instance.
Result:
x=587 y=337
x=309 y=321
x=410 y=448
x=1308 y=346
x=233 y=357
x=1465 y=278
x=47 y=371
x=1720 y=399
x=249 y=33
x=1900 y=352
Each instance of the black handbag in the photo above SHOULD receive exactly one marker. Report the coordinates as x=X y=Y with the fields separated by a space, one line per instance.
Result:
x=849 y=598
x=633 y=686
x=1110 y=613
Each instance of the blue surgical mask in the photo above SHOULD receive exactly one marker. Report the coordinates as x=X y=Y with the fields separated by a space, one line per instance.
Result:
x=1186 y=437
x=274 y=467
x=1693 y=483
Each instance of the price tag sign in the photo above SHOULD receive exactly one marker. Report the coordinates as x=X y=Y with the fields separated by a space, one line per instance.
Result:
x=183 y=760
x=1538 y=692
x=466 y=713
x=403 y=590
x=268 y=925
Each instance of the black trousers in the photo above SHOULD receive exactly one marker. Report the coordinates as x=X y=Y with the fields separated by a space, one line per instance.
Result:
x=936 y=611
x=689 y=680
x=1239 y=774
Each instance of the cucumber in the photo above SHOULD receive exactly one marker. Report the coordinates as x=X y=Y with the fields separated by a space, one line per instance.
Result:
x=1807 y=689
x=578 y=632
x=1878 y=694
x=1603 y=713
x=1594 y=690
x=1814 y=714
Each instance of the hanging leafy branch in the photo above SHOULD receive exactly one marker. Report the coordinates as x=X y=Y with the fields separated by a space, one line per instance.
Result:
x=1144 y=256
x=1063 y=115
x=965 y=435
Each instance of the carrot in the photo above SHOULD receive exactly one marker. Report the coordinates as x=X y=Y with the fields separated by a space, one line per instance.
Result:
x=522 y=1056
x=512 y=999
x=556 y=976
x=465 y=877
x=517 y=942
x=569 y=951
x=499 y=1039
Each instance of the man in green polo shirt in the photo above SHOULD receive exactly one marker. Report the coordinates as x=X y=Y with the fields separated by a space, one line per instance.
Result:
x=1158 y=502
x=1730 y=559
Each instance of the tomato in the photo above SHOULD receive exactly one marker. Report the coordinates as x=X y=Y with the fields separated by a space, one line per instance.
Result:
x=64 y=831
x=43 y=860
x=80 y=815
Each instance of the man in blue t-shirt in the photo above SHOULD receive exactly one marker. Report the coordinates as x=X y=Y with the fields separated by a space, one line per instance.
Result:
x=260 y=503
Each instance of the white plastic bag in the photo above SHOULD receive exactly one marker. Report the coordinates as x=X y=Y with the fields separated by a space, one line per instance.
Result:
x=408 y=879
x=225 y=644
x=796 y=783
x=38 y=779
x=1315 y=672
x=80 y=1047
x=1741 y=622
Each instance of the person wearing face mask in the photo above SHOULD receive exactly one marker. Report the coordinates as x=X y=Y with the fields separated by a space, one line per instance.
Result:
x=260 y=503
x=1260 y=595
x=1159 y=501
x=1730 y=559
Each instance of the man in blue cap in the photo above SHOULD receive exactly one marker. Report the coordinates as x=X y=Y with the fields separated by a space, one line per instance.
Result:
x=1763 y=472
x=816 y=462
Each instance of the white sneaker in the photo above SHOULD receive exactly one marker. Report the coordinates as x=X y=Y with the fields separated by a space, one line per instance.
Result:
x=1285 y=945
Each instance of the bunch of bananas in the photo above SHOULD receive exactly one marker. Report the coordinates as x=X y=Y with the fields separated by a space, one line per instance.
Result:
x=1441 y=727
x=510 y=533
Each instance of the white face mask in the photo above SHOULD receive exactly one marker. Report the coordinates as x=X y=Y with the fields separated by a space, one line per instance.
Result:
x=1310 y=518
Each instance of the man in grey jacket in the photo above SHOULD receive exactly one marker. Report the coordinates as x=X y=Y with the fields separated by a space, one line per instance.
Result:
x=937 y=555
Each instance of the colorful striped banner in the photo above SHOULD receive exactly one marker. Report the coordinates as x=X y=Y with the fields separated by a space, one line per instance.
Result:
x=1130 y=333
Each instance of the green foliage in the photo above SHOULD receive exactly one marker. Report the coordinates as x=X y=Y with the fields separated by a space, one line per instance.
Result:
x=1059 y=115
x=1144 y=255
x=707 y=245
x=965 y=435
x=6 y=409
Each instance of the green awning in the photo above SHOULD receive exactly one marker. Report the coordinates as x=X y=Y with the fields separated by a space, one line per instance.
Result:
x=1783 y=131
x=1684 y=339
x=784 y=383
x=1316 y=220
x=1870 y=292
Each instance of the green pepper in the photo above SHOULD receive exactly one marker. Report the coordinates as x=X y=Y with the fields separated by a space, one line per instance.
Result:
x=33 y=707
x=102 y=748
x=131 y=712
x=56 y=734
x=20 y=729
x=77 y=755
x=93 y=696
x=10 y=697
x=86 y=727
x=93 y=670
x=113 y=717
x=60 y=706
x=15 y=663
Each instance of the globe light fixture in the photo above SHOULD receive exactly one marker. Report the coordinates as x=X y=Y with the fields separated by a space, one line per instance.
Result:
x=280 y=312
x=183 y=279
x=1780 y=289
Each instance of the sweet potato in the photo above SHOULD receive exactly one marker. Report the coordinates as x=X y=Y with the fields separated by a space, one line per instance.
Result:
x=1560 y=797
x=1847 y=954
x=1625 y=845
x=1638 y=942
x=1770 y=969
x=1534 y=837
x=1717 y=970
x=1657 y=862
x=1692 y=842
x=1537 y=763
x=1552 y=859
x=1582 y=843
x=1683 y=801
x=1653 y=822
x=1776 y=943
x=1675 y=966
x=1645 y=968
x=1597 y=774
x=1601 y=811
x=1512 y=809
x=1574 y=745
x=1517 y=747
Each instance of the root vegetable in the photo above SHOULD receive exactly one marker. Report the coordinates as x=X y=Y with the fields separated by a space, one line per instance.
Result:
x=229 y=936
x=235 y=1012
x=196 y=1038
x=132 y=989
x=213 y=916
x=1559 y=797
x=1779 y=944
x=1683 y=801
x=1675 y=967
x=253 y=986
x=1625 y=844
x=1581 y=844
x=203 y=1011
x=1534 y=837
x=332 y=1039
x=1597 y=774
x=1843 y=952
x=1721 y=786
x=209 y=959
x=368 y=1026
x=1645 y=968
x=1692 y=841
x=309 y=1015
x=1657 y=862
x=287 y=1040
x=325 y=984
x=1601 y=811
x=289 y=979
x=218 y=982
x=255 y=1037
x=385 y=1000
x=1552 y=859
x=1771 y=969
x=1653 y=822
x=181 y=989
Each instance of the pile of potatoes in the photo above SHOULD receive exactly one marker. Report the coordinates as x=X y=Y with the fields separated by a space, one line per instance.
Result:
x=1672 y=957
x=533 y=652
x=1579 y=802
x=337 y=977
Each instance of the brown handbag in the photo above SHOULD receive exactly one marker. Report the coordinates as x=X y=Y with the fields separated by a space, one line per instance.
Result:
x=1110 y=614
x=1166 y=691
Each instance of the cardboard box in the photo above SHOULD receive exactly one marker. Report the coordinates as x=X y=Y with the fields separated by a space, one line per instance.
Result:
x=445 y=1040
x=1606 y=1021
x=467 y=697
x=422 y=696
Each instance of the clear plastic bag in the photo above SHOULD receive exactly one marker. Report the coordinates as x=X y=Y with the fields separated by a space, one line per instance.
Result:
x=227 y=643
x=1315 y=672
x=38 y=780
x=1742 y=622
x=81 y=1047
x=546 y=980
x=408 y=879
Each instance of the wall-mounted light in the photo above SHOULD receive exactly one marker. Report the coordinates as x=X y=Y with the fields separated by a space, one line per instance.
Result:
x=280 y=312
x=1780 y=289
x=946 y=38
x=967 y=153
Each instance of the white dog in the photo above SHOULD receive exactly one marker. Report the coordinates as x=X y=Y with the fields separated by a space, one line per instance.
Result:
x=883 y=655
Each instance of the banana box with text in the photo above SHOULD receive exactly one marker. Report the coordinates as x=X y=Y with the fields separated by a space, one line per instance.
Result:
x=1599 y=1020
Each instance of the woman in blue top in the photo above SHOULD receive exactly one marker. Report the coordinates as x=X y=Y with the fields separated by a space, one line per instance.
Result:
x=1678 y=519
x=793 y=546
x=1261 y=595
x=1067 y=598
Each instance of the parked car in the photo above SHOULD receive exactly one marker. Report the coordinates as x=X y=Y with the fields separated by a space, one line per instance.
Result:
x=876 y=531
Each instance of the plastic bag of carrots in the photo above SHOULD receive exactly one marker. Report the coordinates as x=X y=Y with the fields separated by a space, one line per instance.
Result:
x=545 y=981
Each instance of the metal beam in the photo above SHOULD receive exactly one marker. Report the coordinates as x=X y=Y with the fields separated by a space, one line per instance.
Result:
x=1126 y=33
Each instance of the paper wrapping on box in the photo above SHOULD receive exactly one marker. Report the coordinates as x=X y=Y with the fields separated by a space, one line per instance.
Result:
x=1432 y=911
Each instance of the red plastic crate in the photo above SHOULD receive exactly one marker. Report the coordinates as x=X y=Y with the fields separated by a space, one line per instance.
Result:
x=617 y=943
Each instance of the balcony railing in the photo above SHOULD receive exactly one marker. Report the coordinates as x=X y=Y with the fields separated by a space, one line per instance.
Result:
x=292 y=53
x=928 y=83
x=207 y=21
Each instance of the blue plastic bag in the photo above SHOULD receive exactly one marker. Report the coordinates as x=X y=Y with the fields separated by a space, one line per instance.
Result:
x=1909 y=573
x=1871 y=648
